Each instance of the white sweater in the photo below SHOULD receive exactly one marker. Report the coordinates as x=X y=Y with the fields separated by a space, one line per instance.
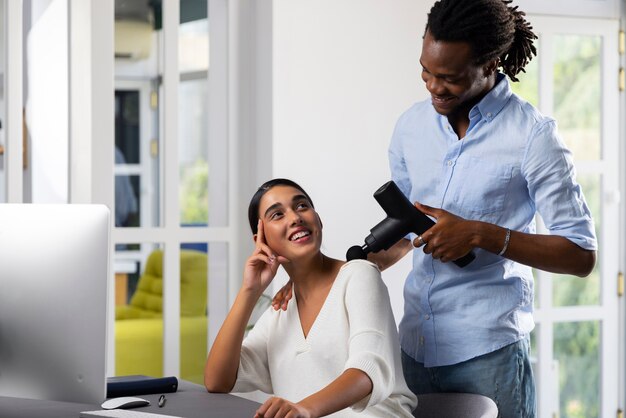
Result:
x=354 y=329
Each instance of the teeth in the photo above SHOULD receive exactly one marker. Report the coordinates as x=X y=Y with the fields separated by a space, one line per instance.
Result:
x=299 y=235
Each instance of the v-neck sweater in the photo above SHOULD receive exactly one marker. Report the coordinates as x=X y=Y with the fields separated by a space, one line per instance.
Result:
x=354 y=329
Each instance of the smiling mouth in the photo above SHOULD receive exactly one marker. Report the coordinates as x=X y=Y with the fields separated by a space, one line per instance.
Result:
x=442 y=100
x=299 y=235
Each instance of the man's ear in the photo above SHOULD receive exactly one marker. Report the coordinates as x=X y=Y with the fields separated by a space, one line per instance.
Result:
x=491 y=67
x=254 y=238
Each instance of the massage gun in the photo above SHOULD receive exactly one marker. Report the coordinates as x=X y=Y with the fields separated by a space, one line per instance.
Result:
x=402 y=218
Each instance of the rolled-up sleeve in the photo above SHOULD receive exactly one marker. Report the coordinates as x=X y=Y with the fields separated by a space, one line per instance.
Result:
x=550 y=174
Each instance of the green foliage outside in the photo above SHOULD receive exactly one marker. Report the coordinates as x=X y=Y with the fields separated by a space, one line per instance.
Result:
x=194 y=193
x=577 y=92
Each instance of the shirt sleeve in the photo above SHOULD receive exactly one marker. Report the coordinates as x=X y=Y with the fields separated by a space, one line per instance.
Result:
x=253 y=373
x=550 y=174
x=373 y=344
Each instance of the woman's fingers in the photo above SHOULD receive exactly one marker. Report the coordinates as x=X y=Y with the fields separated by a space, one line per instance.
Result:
x=265 y=249
x=260 y=236
x=262 y=257
x=269 y=408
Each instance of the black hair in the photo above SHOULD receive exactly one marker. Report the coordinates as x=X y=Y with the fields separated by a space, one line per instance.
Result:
x=253 y=207
x=492 y=28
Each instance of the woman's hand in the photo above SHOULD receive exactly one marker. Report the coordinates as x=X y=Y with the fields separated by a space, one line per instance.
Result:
x=283 y=296
x=281 y=408
x=262 y=265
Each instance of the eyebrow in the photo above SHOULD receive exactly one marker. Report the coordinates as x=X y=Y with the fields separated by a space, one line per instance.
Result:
x=445 y=75
x=296 y=198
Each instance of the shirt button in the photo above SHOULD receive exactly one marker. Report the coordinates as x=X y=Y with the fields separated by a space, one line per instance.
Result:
x=449 y=163
x=489 y=114
x=427 y=317
x=428 y=280
x=422 y=340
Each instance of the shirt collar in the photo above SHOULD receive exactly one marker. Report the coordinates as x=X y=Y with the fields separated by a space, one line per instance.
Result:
x=494 y=101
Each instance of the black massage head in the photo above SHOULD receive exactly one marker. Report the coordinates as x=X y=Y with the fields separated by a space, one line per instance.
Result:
x=356 y=252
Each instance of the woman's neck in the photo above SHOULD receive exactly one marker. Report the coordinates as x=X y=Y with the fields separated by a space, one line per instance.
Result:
x=313 y=275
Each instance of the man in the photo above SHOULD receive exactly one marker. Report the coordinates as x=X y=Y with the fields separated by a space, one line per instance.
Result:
x=482 y=162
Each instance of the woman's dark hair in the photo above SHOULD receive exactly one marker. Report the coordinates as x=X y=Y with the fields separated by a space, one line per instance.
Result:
x=492 y=28
x=253 y=207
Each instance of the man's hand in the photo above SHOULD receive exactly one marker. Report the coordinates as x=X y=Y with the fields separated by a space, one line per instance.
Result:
x=281 y=408
x=449 y=239
x=283 y=296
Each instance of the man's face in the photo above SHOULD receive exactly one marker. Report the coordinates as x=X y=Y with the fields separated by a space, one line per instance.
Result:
x=454 y=81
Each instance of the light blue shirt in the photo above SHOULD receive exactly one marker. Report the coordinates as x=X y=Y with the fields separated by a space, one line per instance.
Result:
x=510 y=165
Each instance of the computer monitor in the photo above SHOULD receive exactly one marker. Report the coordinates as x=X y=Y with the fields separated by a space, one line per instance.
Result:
x=54 y=263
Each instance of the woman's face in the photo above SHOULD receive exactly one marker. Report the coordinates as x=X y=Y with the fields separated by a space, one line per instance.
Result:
x=291 y=226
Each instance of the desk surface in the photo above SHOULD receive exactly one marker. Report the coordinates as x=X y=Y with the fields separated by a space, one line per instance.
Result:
x=190 y=401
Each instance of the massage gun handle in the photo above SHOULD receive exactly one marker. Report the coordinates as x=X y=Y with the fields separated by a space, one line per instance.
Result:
x=424 y=223
x=465 y=260
x=402 y=217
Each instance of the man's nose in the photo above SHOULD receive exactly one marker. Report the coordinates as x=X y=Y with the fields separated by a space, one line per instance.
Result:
x=434 y=85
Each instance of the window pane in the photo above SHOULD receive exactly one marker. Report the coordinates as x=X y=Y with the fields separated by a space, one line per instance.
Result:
x=571 y=290
x=577 y=354
x=193 y=310
x=192 y=117
x=127 y=141
x=193 y=49
x=138 y=310
x=136 y=158
x=194 y=167
x=137 y=81
x=533 y=349
x=536 y=289
x=528 y=85
x=577 y=87
x=126 y=202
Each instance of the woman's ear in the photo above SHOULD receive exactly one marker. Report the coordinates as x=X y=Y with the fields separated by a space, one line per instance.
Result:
x=254 y=238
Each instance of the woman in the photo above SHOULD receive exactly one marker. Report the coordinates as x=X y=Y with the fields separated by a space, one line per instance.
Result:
x=334 y=347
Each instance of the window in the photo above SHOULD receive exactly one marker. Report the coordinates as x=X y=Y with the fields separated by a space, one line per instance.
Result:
x=572 y=79
x=169 y=230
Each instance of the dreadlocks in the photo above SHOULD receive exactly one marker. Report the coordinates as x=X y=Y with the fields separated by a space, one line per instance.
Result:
x=492 y=28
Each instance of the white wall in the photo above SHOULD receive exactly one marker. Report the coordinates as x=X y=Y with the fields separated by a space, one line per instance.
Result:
x=2 y=99
x=343 y=72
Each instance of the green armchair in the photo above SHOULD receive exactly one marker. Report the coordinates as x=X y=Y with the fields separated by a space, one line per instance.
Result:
x=139 y=325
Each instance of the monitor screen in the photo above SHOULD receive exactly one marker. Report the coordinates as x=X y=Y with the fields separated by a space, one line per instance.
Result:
x=54 y=269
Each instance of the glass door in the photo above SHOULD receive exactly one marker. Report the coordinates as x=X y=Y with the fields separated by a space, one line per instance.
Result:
x=574 y=79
